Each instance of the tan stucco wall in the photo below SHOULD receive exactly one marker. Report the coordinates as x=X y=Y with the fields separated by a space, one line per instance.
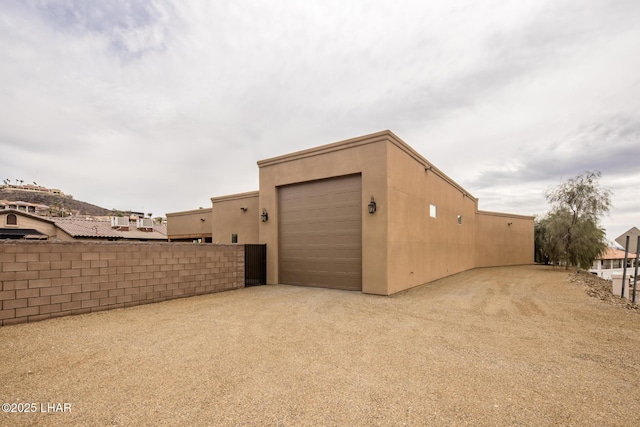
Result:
x=27 y=222
x=189 y=224
x=365 y=155
x=504 y=239
x=422 y=248
x=402 y=246
x=229 y=218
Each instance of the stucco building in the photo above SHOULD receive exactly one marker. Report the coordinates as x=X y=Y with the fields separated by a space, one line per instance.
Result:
x=368 y=214
x=190 y=226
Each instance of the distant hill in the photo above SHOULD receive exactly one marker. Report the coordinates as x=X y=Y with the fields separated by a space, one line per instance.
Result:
x=69 y=204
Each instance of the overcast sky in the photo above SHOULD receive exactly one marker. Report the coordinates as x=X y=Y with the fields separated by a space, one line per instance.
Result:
x=158 y=105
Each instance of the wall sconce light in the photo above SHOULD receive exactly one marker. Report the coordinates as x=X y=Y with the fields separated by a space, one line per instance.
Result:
x=264 y=216
x=372 y=206
x=243 y=209
x=509 y=224
x=202 y=219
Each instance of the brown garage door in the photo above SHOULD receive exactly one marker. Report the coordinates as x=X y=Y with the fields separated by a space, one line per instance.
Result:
x=320 y=242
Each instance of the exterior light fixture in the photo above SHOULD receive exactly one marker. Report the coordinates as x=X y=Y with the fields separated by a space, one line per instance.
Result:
x=243 y=209
x=264 y=216
x=372 y=206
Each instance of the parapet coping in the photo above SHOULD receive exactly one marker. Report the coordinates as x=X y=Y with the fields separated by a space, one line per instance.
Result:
x=383 y=136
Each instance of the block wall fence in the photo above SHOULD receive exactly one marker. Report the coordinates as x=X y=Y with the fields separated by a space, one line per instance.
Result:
x=42 y=280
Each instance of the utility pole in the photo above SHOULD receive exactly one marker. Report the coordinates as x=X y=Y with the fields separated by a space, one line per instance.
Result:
x=624 y=266
x=635 y=275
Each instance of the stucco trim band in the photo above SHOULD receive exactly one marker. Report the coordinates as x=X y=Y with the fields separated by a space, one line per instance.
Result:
x=505 y=215
x=385 y=135
x=237 y=196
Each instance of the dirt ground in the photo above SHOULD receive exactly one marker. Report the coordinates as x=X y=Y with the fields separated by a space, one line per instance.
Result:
x=514 y=346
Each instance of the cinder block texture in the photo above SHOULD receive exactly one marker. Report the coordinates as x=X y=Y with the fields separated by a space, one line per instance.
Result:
x=43 y=280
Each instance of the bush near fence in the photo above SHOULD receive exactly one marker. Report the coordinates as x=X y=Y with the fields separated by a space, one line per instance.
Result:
x=42 y=280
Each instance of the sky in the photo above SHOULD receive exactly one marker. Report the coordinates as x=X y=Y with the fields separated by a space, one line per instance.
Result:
x=158 y=105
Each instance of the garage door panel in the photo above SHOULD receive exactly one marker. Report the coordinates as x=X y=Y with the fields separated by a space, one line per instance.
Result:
x=320 y=242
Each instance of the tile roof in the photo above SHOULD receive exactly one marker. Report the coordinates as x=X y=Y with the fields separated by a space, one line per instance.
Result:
x=86 y=228
x=612 y=253
x=102 y=229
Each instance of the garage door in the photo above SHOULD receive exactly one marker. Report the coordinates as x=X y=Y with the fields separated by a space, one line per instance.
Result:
x=320 y=241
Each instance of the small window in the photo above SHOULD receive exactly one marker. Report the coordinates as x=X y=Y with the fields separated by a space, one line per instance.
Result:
x=234 y=238
x=433 y=211
x=459 y=219
x=12 y=219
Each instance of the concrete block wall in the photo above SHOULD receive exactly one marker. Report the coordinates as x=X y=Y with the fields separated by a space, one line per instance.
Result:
x=42 y=280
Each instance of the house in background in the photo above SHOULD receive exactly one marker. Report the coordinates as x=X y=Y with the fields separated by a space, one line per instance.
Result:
x=15 y=224
x=611 y=262
x=34 y=208
x=367 y=214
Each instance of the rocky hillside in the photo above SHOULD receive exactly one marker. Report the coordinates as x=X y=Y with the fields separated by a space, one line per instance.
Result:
x=69 y=204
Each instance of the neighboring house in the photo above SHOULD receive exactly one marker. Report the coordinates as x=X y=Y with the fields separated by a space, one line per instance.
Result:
x=367 y=214
x=16 y=224
x=34 y=208
x=611 y=262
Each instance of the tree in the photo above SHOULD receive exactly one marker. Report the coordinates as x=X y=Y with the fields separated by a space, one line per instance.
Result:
x=546 y=248
x=570 y=232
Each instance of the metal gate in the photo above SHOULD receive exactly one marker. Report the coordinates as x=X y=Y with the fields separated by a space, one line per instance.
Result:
x=255 y=265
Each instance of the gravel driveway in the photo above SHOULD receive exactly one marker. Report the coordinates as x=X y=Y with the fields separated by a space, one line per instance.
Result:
x=495 y=347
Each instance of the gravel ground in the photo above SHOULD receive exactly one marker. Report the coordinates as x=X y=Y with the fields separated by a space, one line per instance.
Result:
x=516 y=346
